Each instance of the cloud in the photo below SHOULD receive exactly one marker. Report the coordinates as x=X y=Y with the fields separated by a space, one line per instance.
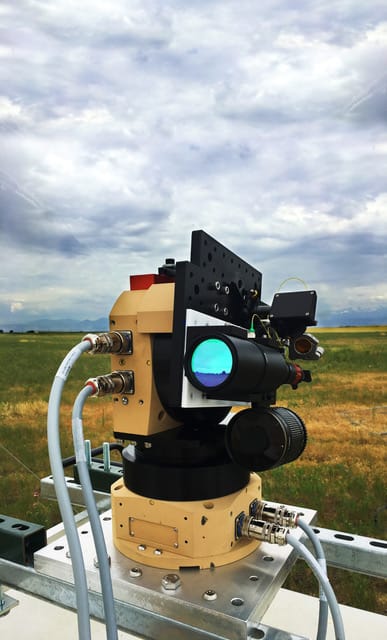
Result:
x=125 y=127
x=23 y=221
x=16 y=306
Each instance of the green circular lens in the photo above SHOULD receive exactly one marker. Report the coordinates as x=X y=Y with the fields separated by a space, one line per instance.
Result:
x=211 y=362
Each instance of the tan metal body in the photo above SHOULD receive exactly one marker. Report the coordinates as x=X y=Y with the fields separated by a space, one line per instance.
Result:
x=171 y=535
x=162 y=533
x=143 y=312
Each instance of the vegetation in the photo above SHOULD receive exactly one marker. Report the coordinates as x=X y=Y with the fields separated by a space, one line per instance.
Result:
x=342 y=473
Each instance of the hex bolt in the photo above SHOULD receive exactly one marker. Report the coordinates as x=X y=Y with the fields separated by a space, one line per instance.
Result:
x=210 y=595
x=135 y=572
x=171 y=582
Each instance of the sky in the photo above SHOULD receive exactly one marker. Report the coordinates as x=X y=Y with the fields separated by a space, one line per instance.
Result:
x=126 y=125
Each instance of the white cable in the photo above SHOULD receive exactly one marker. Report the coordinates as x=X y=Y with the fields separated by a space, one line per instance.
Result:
x=55 y=455
x=87 y=489
x=324 y=582
x=320 y=557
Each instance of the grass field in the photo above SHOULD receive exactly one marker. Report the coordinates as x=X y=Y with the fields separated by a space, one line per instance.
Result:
x=342 y=472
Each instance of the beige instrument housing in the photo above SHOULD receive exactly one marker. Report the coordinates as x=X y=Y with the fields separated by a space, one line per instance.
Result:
x=143 y=312
x=171 y=535
x=163 y=533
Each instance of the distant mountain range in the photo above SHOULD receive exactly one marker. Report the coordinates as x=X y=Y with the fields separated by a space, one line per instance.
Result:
x=347 y=318
x=353 y=318
x=58 y=325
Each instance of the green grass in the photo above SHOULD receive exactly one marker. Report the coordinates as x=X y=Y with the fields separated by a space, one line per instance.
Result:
x=342 y=473
x=346 y=357
x=30 y=362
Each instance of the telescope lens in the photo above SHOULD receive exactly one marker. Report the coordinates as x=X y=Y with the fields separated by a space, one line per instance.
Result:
x=302 y=345
x=265 y=437
x=211 y=362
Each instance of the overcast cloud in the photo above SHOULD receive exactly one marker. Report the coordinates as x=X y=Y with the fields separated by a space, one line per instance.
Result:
x=126 y=125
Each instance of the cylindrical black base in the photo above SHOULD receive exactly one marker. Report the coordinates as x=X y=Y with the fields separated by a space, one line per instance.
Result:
x=183 y=464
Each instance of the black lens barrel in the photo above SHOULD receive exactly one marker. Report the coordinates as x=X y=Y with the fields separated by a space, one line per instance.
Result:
x=256 y=369
x=266 y=437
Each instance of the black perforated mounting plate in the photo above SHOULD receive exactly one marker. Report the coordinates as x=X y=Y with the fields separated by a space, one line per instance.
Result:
x=214 y=282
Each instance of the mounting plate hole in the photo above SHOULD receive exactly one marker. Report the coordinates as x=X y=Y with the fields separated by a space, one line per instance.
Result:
x=256 y=634
x=237 y=602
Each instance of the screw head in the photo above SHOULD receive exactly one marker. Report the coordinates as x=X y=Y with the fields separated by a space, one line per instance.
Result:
x=135 y=572
x=210 y=594
x=171 y=581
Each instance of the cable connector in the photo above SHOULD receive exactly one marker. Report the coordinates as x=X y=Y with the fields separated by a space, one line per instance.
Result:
x=279 y=514
x=249 y=527
x=305 y=347
x=116 y=382
x=118 y=342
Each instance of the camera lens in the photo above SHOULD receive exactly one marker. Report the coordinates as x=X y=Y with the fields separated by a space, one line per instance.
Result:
x=211 y=362
x=228 y=367
x=266 y=437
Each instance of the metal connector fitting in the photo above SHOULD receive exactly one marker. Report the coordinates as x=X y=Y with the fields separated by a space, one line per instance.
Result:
x=118 y=342
x=264 y=531
x=279 y=514
x=116 y=382
x=305 y=347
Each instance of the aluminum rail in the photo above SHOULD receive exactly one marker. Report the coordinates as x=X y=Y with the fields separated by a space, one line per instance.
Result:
x=353 y=552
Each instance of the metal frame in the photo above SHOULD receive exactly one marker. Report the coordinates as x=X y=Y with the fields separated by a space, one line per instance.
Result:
x=224 y=603
x=6 y=602
x=354 y=553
